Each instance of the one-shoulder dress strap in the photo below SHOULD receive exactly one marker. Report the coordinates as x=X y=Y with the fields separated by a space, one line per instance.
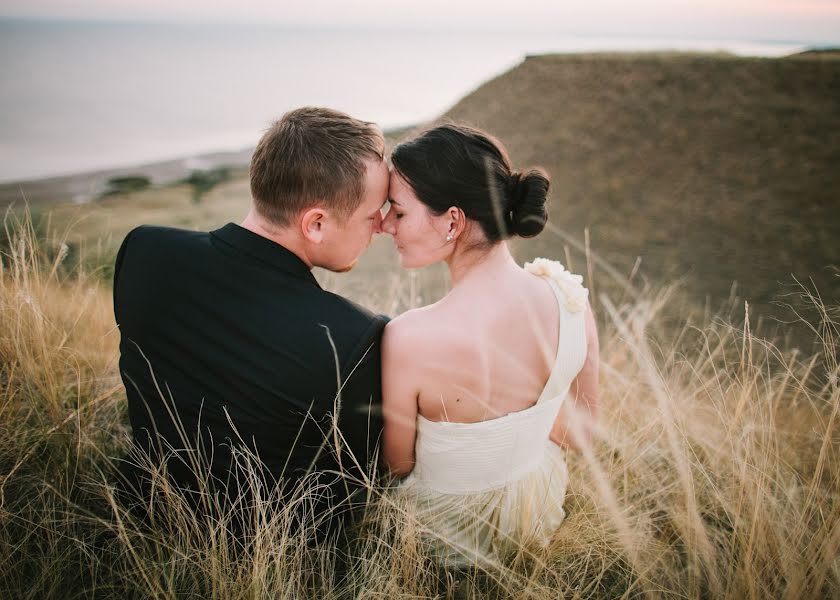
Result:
x=574 y=295
x=571 y=340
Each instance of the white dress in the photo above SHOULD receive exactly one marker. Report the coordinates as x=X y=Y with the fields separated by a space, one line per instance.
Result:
x=480 y=490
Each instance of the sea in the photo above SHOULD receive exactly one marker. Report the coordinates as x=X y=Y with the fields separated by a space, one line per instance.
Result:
x=78 y=96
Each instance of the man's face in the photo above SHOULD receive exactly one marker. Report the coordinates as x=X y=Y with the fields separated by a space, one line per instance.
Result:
x=347 y=241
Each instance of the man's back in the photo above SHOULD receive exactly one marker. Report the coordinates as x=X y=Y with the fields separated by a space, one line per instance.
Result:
x=232 y=331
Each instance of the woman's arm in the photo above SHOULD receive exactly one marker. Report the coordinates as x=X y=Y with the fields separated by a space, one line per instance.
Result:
x=399 y=398
x=573 y=426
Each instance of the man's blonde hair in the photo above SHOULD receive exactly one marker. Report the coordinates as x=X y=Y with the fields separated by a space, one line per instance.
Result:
x=312 y=156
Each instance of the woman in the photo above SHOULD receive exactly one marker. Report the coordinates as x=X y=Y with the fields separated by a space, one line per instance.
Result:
x=473 y=385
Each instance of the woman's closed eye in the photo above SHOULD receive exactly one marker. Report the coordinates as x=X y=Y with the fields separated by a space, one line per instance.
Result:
x=392 y=208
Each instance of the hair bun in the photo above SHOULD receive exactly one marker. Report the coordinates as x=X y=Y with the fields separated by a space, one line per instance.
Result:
x=526 y=194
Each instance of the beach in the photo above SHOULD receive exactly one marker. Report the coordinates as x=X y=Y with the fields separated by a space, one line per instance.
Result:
x=85 y=187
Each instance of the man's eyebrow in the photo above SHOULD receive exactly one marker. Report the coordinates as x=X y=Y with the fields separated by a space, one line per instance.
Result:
x=392 y=201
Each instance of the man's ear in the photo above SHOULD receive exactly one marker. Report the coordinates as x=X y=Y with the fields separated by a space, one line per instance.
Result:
x=312 y=224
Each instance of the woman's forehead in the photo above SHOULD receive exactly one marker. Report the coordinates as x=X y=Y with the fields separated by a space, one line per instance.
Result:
x=399 y=190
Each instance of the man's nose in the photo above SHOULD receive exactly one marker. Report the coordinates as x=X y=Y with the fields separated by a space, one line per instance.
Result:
x=386 y=224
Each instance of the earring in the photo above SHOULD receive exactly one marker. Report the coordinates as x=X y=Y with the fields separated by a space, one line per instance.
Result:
x=449 y=237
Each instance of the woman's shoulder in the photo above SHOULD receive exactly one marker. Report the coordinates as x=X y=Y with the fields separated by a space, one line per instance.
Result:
x=425 y=334
x=411 y=329
x=570 y=284
x=413 y=318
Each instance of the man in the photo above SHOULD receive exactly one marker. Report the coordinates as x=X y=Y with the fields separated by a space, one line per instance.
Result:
x=230 y=348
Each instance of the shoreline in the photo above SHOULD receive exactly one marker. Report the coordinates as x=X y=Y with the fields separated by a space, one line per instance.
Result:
x=87 y=186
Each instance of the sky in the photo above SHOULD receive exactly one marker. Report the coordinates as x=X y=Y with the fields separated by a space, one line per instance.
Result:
x=813 y=21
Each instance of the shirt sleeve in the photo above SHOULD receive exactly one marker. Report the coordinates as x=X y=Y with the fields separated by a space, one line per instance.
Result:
x=360 y=420
x=118 y=264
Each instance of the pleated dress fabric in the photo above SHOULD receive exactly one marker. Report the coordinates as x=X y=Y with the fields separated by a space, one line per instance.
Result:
x=481 y=490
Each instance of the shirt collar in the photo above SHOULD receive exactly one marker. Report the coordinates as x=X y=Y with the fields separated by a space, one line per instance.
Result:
x=265 y=250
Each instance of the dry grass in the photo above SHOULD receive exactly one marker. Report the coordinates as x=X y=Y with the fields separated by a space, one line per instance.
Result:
x=715 y=473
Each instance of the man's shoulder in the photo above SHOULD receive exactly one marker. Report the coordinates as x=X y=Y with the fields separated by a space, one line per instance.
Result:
x=351 y=306
x=160 y=234
x=157 y=245
x=152 y=249
x=344 y=309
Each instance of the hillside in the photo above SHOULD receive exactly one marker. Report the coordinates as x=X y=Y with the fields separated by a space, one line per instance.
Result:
x=709 y=167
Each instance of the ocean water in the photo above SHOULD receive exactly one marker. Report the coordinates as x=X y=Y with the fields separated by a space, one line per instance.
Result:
x=77 y=96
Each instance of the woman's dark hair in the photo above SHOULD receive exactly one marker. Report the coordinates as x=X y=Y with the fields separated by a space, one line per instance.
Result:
x=456 y=165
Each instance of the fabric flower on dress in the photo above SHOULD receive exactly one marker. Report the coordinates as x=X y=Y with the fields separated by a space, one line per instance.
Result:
x=570 y=284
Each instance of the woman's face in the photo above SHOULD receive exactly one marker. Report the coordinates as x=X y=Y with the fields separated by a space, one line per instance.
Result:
x=419 y=235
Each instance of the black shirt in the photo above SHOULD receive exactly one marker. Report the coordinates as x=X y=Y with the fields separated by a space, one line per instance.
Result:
x=231 y=332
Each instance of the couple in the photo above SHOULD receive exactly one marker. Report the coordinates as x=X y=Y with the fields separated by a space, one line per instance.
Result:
x=229 y=345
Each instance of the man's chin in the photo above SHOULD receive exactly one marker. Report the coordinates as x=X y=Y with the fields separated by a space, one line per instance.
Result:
x=345 y=269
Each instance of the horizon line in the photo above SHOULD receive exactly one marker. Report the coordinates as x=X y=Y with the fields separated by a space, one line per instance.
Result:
x=426 y=28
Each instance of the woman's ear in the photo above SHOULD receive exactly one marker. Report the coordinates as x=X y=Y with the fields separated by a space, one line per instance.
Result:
x=457 y=220
x=312 y=224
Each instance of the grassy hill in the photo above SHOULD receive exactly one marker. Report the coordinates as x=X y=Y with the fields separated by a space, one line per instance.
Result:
x=713 y=472
x=709 y=167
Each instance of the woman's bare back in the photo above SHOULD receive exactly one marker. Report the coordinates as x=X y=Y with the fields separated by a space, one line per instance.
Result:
x=486 y=349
